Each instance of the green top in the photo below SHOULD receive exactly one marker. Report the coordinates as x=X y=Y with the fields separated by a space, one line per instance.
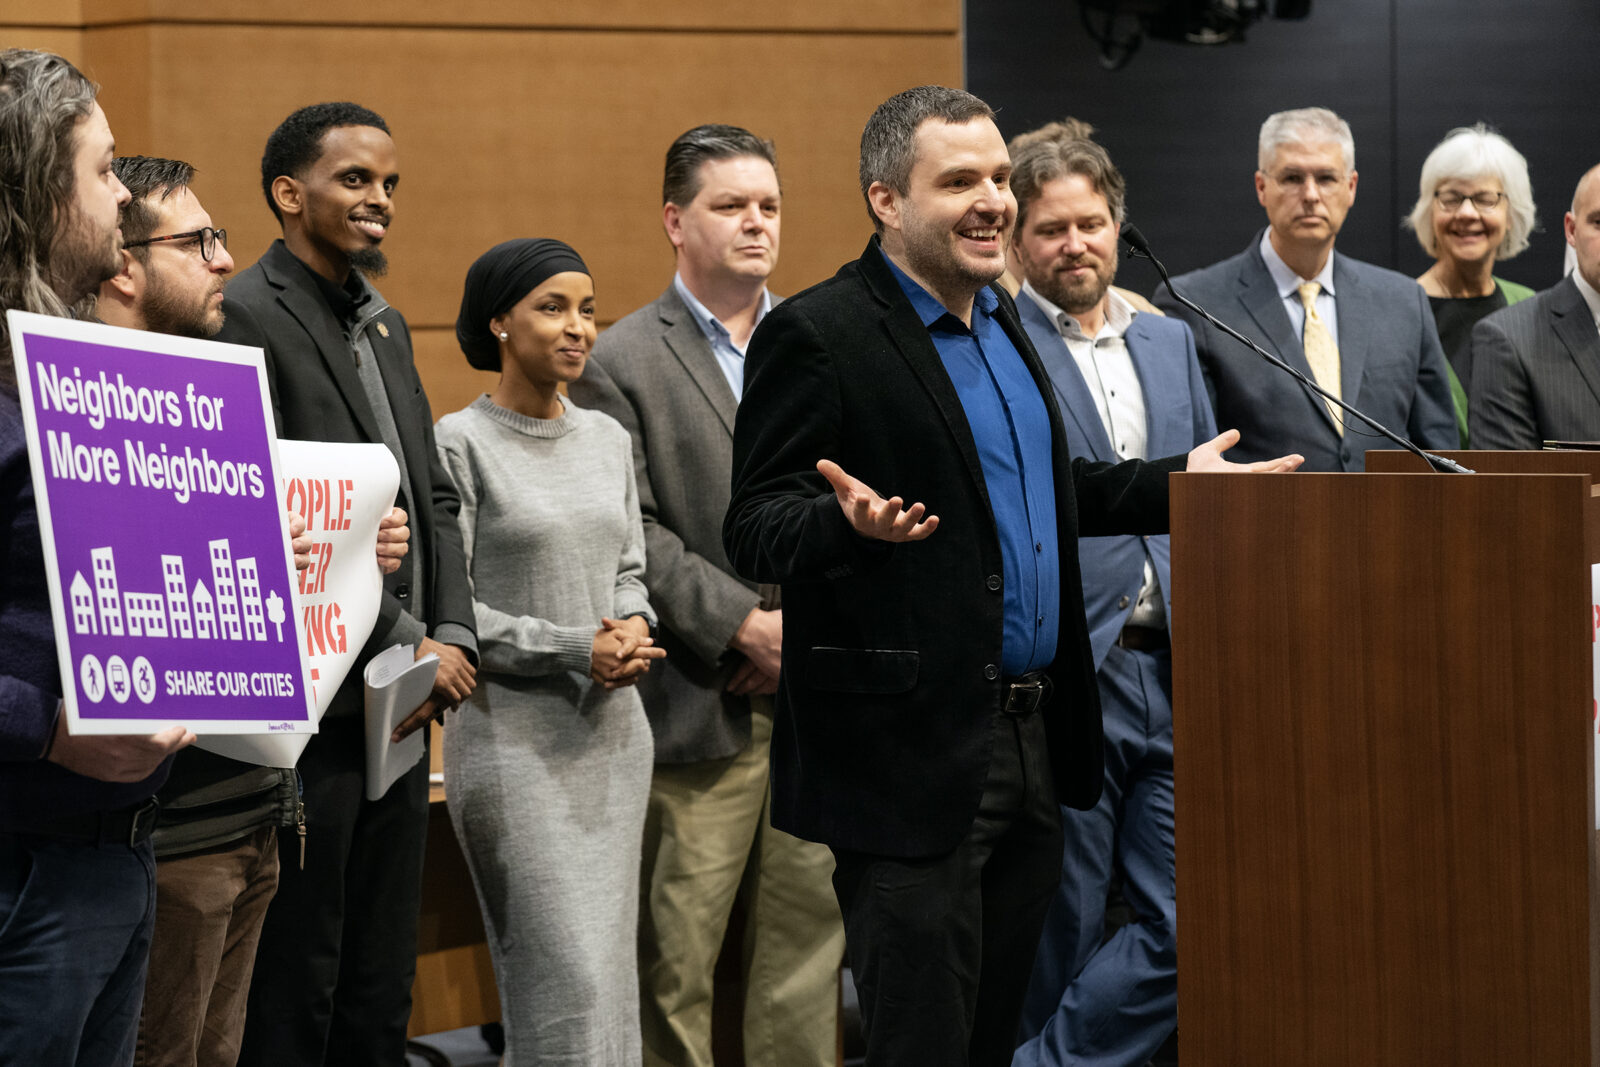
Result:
x=1513 y=294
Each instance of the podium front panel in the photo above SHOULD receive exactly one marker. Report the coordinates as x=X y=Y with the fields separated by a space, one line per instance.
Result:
x=1384 y=767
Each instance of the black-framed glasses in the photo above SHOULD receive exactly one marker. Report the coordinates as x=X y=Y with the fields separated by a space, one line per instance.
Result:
x=1450 y=202
x=209 y=240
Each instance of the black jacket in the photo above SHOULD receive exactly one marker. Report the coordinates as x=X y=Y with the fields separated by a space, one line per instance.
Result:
x=890 y=655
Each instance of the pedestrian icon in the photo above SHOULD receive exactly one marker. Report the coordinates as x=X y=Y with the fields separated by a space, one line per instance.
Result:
x=92 y=678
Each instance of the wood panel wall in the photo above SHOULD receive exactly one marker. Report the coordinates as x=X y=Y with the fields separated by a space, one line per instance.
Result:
x=512 y=118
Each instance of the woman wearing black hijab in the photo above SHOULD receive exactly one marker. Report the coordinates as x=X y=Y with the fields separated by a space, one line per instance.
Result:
x=548 y=765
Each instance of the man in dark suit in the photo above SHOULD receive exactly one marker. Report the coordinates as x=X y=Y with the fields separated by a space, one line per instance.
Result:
x=937 y=675
x=333 y=974
x=1129 y=387
x=1368 y=336
x=672 y=373
x=1536 y=364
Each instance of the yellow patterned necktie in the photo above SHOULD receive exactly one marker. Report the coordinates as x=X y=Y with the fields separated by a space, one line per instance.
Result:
x=1321 y=351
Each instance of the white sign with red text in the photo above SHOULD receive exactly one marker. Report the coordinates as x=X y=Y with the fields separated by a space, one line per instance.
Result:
x=342 y=491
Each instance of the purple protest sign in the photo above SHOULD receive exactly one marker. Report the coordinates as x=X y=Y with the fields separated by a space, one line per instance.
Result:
x=155 y=470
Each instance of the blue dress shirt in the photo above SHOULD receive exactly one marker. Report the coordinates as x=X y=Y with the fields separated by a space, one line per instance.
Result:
x=1011 y=429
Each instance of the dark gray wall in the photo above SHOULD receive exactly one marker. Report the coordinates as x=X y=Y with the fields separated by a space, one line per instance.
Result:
x=1181 y=121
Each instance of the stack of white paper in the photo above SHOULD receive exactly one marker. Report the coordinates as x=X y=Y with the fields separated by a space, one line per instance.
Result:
x=397 y=684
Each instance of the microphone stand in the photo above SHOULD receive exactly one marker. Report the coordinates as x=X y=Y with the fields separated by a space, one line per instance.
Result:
x=1139 y=248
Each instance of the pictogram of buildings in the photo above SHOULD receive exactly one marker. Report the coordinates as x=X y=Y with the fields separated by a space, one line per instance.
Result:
x=222 y=585
x=205 y=615
x=146 y=616
x=177 y=596
x=105 y=586
x=255 y=625
x=84 y=620
x=177 y=611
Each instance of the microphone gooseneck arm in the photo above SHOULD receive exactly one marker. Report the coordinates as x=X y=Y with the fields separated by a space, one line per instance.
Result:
x=1141 y=250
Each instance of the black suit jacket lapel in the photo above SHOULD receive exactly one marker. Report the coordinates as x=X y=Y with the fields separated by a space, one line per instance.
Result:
x=1573 y=323
x=910 y=337
x=299 y=296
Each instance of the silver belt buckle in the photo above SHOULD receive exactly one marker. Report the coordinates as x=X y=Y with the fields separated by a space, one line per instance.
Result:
x=144 y=818
x=1024 y=698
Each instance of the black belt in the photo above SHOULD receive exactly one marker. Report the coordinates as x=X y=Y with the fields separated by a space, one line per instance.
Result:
x=129 y=826
x=1026 y=694
x=1144 y=639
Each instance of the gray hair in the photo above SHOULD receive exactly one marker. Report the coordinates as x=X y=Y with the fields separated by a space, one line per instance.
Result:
x=1305 y=125
x=1475 y=152
x=1046 y=160
x=42 y=100
x=680 y=182
x=889 y=141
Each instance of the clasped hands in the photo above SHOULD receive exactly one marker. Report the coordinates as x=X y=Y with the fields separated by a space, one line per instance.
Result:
x=623 y=649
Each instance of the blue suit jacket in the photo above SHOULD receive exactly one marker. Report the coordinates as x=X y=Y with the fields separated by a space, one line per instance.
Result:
x=1177 y=417
x=1391 y=364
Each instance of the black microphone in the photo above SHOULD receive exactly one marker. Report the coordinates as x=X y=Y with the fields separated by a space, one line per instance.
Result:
x=1141 y=250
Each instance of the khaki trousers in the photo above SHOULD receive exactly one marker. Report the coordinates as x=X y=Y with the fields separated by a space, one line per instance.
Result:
x=210 y=906
x=708 y=839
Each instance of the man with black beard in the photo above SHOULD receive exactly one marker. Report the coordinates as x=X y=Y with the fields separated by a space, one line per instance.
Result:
x=1129 y=386
x=332 y=981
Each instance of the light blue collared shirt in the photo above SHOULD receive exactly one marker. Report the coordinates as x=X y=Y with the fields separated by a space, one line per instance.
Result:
x=1288 y=283
x=730 y=357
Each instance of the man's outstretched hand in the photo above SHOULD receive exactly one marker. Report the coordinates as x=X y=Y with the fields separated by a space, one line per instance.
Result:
x=872 y=516
x=1208 y=458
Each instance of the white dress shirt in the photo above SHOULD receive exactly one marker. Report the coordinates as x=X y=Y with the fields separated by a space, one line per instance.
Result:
x=1590 y=297
x=1108 y=371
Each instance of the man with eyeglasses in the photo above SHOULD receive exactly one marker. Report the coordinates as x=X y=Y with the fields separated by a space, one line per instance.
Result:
x=1361 y=332
x=1534 y=374
x=216 y=843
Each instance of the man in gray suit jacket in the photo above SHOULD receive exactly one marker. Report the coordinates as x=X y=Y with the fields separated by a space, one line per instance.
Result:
x=672 y=373
x=1536 y=364
x=1363 y=333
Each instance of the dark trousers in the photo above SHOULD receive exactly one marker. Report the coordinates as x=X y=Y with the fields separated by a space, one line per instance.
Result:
x=210 y=905
x=941 y=948
x=75 y=923
x=338 y=952
x=1093 y=1001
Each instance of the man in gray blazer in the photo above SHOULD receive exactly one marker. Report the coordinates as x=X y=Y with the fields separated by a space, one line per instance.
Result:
x=1362 y=332
x=672 y=373
x=1536 y=364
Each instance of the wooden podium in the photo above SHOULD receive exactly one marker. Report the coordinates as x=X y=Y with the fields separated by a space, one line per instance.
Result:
x=1384 y=749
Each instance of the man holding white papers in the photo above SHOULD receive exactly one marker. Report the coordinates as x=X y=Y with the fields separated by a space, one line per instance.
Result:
x=333 y=974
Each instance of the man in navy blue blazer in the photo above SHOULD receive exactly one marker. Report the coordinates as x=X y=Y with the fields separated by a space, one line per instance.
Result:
x=1364 y=333
x=1129 y=387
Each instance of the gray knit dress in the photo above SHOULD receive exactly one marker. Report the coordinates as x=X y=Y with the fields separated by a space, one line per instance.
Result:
x=547 y=774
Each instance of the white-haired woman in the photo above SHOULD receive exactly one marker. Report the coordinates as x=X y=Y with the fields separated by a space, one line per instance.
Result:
x=1474 y=207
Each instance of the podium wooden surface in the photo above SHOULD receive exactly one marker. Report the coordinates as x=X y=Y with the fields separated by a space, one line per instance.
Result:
x=1384 y=760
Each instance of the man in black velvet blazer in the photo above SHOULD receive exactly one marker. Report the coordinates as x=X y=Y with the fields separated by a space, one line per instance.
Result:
x=937 y=675
x=332 y=982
